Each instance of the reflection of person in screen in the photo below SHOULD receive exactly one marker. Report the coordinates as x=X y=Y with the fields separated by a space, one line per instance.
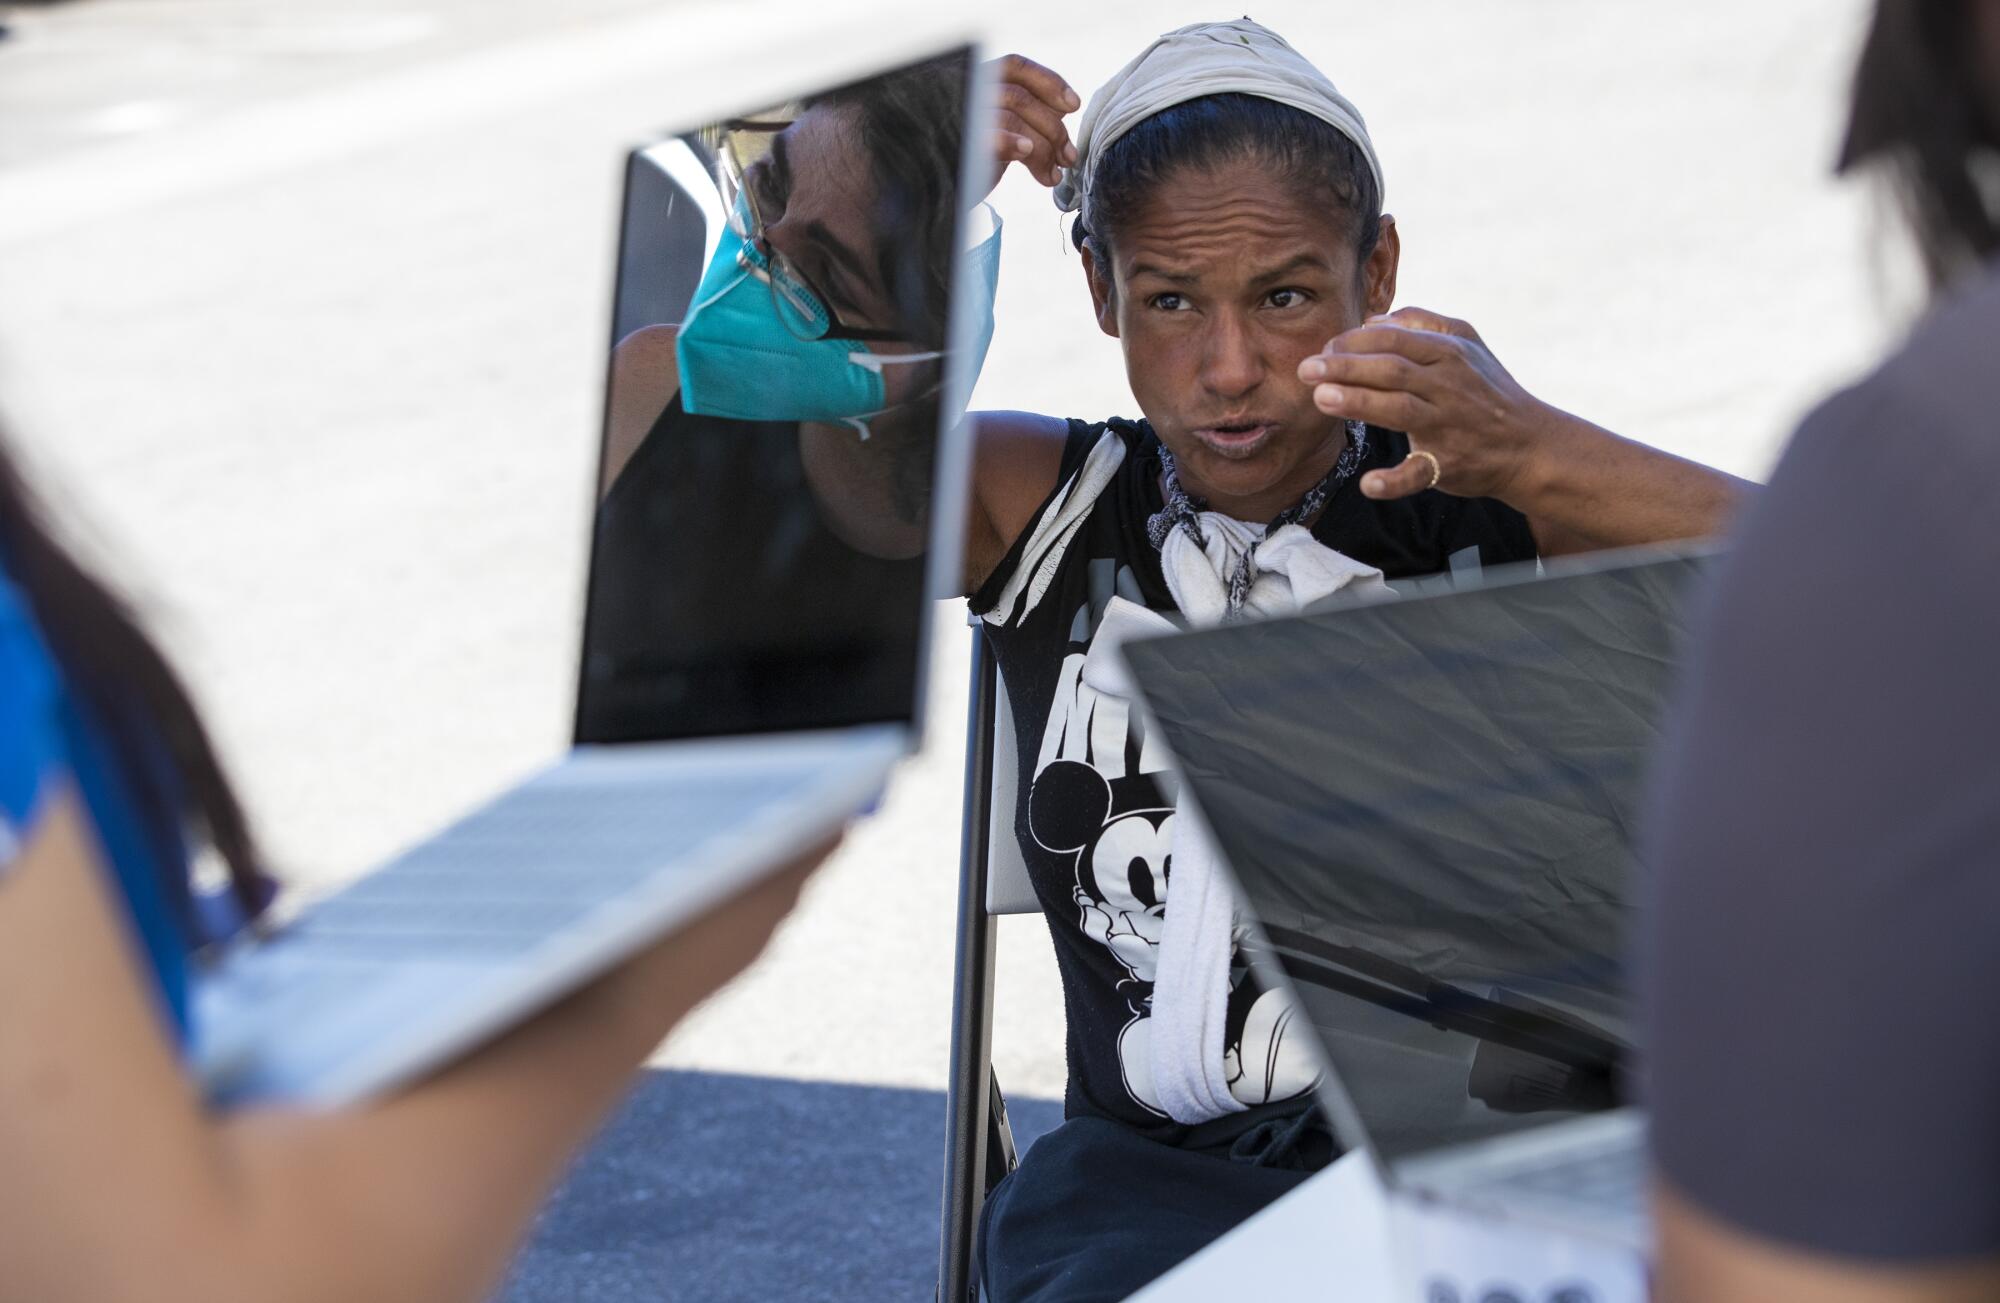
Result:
x=854 y=198
x=737 y=527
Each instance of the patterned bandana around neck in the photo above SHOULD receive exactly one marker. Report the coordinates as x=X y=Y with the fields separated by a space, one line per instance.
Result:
x=1183 y=511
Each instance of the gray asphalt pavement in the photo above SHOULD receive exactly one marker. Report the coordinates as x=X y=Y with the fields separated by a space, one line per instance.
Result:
x=302 y=311
x=720 y=1188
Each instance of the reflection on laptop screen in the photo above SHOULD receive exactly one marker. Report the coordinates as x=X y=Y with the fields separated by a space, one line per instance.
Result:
x=1429 y=804
x=772 y=412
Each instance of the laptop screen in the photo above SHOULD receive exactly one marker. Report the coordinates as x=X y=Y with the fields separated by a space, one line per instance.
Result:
x=778 y=357
x=1428 y=804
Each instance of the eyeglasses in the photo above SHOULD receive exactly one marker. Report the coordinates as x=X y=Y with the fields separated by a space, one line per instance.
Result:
x=756 y=185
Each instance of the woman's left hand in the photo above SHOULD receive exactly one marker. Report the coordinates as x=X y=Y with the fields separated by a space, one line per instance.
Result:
x=1433 y=378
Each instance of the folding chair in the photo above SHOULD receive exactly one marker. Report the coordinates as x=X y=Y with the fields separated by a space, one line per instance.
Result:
x=664 y=210
x=992 y=880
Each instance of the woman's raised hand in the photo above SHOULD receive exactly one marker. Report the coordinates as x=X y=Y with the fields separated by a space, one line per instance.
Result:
x=1028 y=129
x=1473 y=428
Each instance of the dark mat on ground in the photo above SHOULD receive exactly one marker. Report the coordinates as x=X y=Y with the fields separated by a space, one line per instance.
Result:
x=717 y=1187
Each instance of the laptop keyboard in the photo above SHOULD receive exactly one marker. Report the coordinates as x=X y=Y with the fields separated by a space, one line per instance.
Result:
x=1608 y=1180
x=467 y=916
x=520 y=870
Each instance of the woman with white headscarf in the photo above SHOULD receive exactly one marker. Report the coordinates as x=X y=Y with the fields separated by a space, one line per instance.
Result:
x=1296 y=440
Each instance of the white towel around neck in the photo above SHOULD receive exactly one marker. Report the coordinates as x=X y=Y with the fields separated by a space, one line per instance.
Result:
x=1292 y=569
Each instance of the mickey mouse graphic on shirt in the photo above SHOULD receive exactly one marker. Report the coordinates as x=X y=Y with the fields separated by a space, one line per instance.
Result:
x=1103 y=795
x=1122 y=863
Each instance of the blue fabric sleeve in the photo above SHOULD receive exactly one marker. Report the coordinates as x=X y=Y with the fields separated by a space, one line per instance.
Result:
x=45 y=734
x=31 y=735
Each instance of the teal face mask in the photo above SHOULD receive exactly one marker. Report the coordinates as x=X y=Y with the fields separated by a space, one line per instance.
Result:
x=740 y=358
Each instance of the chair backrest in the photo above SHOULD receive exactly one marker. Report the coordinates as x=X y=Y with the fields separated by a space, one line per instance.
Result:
x=979 y=1145
x=1008 y=888
x=667 y=209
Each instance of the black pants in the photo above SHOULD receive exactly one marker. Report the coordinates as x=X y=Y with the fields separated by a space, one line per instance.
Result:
x=1097 y=1211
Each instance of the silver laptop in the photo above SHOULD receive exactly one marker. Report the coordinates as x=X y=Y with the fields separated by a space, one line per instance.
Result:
x=753 y=649
x=1428 y=804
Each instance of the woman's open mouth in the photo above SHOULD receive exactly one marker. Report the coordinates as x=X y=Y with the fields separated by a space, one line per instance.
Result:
x=1236 y=440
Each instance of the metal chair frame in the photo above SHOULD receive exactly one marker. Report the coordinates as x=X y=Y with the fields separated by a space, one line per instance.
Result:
x=979 y=1144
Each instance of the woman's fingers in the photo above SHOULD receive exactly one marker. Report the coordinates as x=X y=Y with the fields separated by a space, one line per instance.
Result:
x=1392 y=409
x=1369 y=370
x=1381 y=335
x=1045 y=155
x=1030 y=104
x=1413 y=474
x=1433 y=378
x=1039 y=81
x=1425 y=319
x=1038 y=118
x=1012 y=146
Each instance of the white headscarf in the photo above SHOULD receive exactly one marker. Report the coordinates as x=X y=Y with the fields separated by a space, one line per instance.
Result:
x=1240 y=57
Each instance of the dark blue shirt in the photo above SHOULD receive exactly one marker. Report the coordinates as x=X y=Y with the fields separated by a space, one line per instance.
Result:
x=1821 y=962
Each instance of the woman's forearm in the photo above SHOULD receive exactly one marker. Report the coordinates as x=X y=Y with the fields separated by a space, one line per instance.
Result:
x=120 y=1188
x=1586 y=488
x=423 y=1196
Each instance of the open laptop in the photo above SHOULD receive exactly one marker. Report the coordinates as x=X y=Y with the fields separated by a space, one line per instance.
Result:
x=1428 y=804
x=753 y=649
